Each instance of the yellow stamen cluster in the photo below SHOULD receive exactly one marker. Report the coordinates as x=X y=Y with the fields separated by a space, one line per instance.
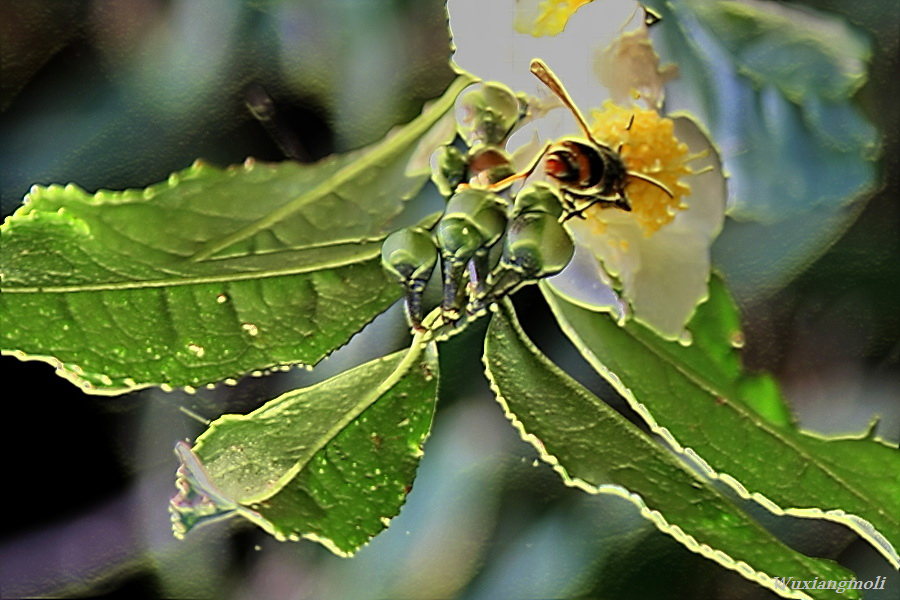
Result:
x=648 y=146
x=553 y=16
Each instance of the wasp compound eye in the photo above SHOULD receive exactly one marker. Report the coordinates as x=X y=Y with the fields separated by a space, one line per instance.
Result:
x=473 y=222
x=538 y=197
x=448 y=169
x=409 y=254
x=537 y=245
x=488 y=114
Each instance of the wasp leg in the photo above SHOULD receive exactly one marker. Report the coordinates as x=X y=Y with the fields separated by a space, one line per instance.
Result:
x=621 y=203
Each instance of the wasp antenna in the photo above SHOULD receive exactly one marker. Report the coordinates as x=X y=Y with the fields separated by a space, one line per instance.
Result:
x=543 y=72
x=652 y=181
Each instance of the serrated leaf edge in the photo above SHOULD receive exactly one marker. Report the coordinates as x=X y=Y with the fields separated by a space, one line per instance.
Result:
x=856 y=523
x=404 y=136
x=688 y=541
x=418 y=346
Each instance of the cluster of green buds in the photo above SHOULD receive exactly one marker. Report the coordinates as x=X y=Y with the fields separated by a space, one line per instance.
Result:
x=488 y=244
x=486 y=115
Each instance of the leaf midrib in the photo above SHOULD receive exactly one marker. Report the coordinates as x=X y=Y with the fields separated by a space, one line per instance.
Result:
x=711 y=389
x=364 y=255
x=421 y=342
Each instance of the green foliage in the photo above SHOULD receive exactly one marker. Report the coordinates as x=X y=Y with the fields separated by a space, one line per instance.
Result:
x=219 y=273
x=332 y=462
x=696 y=398
x=214 y=273
x=596 y=449
x=774 y=84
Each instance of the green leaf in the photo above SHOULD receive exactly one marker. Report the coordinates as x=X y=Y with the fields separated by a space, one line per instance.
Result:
x=214 y=273
x=767 y=43
x=777 y=81
x=735 y=427
x=774 y=85
x=332 y=462
x=596 y=449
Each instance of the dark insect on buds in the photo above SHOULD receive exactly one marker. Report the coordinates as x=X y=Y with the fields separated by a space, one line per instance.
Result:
x=587 y=171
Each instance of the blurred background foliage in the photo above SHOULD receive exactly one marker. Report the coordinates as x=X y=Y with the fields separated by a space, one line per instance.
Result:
x=115 y=94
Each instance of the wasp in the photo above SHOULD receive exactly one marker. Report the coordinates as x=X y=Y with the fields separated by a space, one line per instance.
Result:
x=587 y=171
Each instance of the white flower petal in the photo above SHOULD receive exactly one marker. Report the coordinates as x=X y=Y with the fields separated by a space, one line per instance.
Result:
x=665 y=276
x=584 y=283
x=488 y=46
x=671 y=281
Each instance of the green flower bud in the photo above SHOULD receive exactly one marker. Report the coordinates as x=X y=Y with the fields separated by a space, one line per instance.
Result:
x=538 y=197
x=474 y=219
x=537 y=245
x=489 y=164
x=409 y=254
x=448 y=169
x=488 y=114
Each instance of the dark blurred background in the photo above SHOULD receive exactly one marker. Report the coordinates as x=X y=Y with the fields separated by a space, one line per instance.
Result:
x=118 y=94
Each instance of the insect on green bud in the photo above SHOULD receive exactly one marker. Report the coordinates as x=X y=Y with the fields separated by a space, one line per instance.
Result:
x=409 y=254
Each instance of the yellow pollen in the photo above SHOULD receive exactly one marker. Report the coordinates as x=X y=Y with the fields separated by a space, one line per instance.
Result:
x=553 y=16
x=648 y=146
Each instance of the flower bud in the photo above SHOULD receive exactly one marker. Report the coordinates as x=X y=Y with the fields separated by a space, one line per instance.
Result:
x=409 y=254
x=489 y=164
x=473 y=222
x=448 y=169
x=537 y=245
x=538 y=197
x=488 y=114
x=474 y=219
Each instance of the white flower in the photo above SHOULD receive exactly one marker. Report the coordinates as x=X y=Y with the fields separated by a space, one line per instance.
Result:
x=652 y=262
